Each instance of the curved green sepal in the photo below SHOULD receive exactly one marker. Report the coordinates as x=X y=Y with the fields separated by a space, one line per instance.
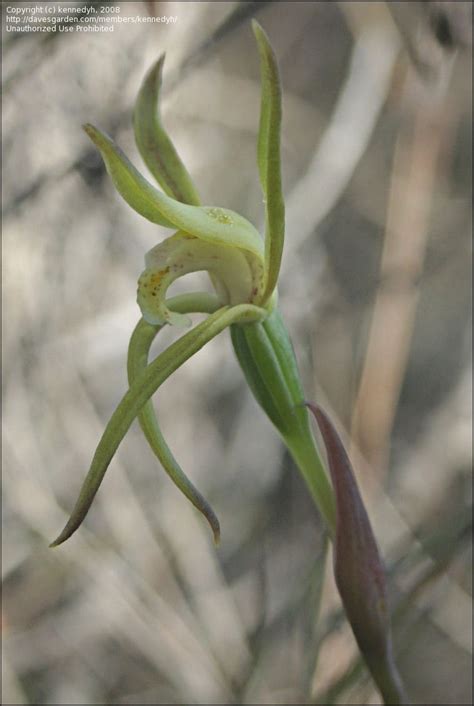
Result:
x=138 y=352
x=128 y=181
x=268 y=157
x=154 y=144
x=209 y=223
x=145 y=385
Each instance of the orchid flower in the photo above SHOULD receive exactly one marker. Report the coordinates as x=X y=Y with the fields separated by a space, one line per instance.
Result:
x=243 y=268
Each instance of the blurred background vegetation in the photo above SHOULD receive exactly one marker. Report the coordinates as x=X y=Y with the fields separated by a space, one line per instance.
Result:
x=139 y=607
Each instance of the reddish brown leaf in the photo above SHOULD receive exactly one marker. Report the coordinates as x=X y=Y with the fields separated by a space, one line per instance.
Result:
x=358 y=567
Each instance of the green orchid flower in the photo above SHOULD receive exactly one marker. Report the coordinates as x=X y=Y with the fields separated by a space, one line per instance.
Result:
x=243 y=268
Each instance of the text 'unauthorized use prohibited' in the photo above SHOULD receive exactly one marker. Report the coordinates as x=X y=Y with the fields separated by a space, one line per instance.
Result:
x=62 y=17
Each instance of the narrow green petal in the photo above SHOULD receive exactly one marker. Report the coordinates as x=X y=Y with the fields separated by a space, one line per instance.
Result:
x=154 y=144
x=138 y=351
x=145 y=385
x=209 y=223
x=268 y=157
x=128 y=181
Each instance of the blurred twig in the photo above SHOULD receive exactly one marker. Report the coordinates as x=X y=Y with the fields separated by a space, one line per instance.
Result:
x=347 y=135
x=431 y=30
x=421 y=138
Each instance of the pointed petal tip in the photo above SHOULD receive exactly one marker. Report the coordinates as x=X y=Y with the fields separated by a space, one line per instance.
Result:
x=257 y=27
x=217 y=535
x=212 y=519
x=100 y=138
x=92 y=132
x=156 y=69
x=65 y=534
x=72 y=525
x=261 y=37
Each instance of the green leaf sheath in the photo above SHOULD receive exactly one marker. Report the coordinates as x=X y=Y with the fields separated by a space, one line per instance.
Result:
x=267 y=359
x=138 y=351
x=359 y=569
x=269 y=162
x=145 y=385
x=209 y=223
x=154 y=144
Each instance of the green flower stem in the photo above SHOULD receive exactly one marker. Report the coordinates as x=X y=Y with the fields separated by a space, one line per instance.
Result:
x=306 y=456
x=267 y=359
x=138 y=351
x=146 y=384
